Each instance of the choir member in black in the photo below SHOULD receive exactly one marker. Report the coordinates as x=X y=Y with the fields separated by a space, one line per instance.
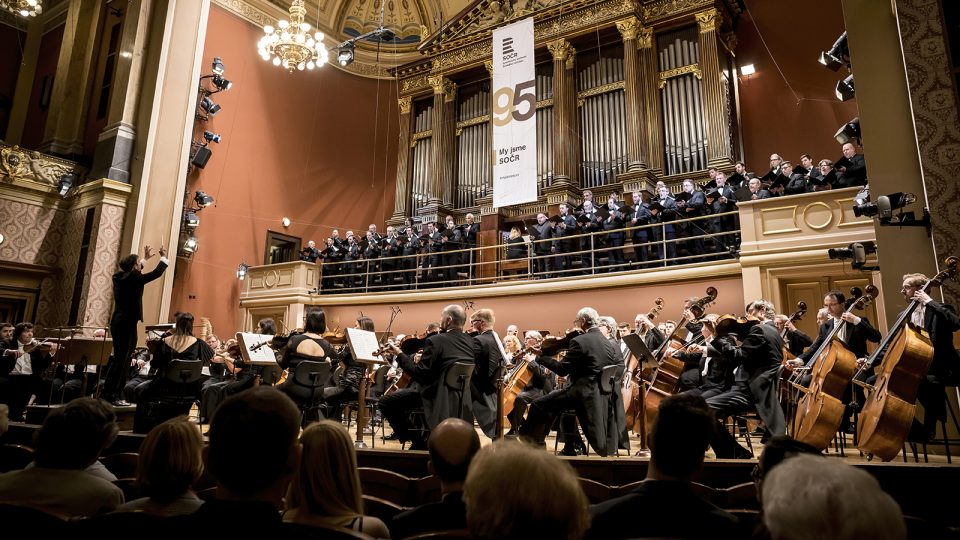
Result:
x=452 y=241
x=588 y=224
x=664 y=208
x=371 y=268
x=852 y=168
x=516 y=246
x=309 y=346
x=797 y=340
x=22 y=370
x=541 y=246
x=182 y=345
x=483 y=384
x=797 y=183
x=348 y=387
x=939 y=321
x=337 y=241
x=388 y=262
x=435 y=248
x=695 y=206
x=332 y=256
x=723 y=200
x=541 y=382
x=715 y=370
x=372 y=229
x=827 y=177
x=310 y=253
x=757 y=191
x=775 y=163
x=639 y=216
x=588 y=354
x=613 y=224
x=739 y=175
x=567 y=226
x=756 y=378
x=440 y=352
x=409 y=250
x=351 y=254
x=587 y=197
x=470 y=229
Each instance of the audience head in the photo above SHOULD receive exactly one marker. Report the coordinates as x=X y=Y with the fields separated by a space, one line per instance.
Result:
x=778 y=449
x=681 y=433
x=315 y=321
x=811 y=497
x=183 y=324
x=73 y=436
x=328 y=482
x=452 y=316
x=452 y=446
x=267 y=327
x=587 y=317
x=516 y=491
x=171 y=459
x=253 y=450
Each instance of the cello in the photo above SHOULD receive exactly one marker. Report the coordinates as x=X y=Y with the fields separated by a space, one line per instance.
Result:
x=634 y=410
x=821 y=408
x=796 y=316
x=906 y=357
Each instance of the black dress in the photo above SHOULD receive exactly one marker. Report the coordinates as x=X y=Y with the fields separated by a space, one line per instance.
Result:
x=516 y=248
x=299 y=393
x=160 y=385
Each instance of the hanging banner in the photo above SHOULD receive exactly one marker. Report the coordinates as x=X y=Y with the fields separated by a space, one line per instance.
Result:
x=514 y=115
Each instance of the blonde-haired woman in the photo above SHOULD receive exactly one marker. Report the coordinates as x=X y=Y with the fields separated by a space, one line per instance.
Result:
x=326 y=490
x=170 y=462
x=516 y=249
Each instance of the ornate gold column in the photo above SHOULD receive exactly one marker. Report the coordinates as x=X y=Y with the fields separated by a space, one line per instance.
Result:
x=652 y=138
x=718 y=137
x=402 y=200
x=444 y=131
x=28 y=70
x=631 y=85
x=114 y=150
x=172 y=66
x=564 y=105
x=63 y=134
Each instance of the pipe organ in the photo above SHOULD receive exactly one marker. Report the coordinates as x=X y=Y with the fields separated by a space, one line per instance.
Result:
x=628 y=92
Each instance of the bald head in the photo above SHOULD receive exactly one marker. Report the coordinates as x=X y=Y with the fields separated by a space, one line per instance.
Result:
x=452 y=445
x=454 y=316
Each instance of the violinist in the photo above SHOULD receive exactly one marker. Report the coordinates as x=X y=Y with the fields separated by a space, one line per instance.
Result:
x=797 y=340
x=29 y=360
x=348 y=388
x=440 y=351
x=587 y=355
x=488 y=359
x=940 y=321
x=511 y=344
x=311 y=346
x=757 y=367
x=541 y=382
x=715 y=370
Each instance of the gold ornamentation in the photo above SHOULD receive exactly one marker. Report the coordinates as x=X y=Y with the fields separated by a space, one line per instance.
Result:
x=413 y=84
x=424 y=32
x=442 y=85
x=545 y=103
x=560 y=49
x=676 y=72
x=426 y=134
x=668 y=8
x=709 y=20
x=597 y=90
x=628 y=28
x=489 y=65
x=729 y=41
x=452 y=61
x=18 y=163
x=405 y=103
x=472 y=122
x=645 y=38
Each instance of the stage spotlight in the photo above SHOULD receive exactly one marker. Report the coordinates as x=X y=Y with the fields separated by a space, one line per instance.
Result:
x=848 y=132
x=191 y=244
x=202 y=199
x=209 y=106
x=217 y=66
x=191 y=220
x=838 y=55
x=845 y=90
x=66 y=182
x=242 y=271
x=748 y=70
x=345 y=55
x=211 y=137
x=221 y=83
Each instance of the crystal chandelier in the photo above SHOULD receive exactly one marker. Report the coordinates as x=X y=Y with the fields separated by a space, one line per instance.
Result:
x=290 y=44
x=24 y=8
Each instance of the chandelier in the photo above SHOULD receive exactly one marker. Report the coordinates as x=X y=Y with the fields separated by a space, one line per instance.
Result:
x=290 y=44
x=24 y=8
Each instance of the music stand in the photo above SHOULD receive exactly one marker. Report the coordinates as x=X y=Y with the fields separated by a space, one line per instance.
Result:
x=255 y=349
x=85 y=351
x=364 y=346
x=640 y=351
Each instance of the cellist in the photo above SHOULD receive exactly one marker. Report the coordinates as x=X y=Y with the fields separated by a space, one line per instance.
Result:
x=541 y=383
x=939 y=321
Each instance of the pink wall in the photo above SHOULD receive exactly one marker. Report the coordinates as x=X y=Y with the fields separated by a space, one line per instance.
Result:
x=47 y=60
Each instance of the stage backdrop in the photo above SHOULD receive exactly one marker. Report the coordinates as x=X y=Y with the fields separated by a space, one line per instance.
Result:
x=514 y=115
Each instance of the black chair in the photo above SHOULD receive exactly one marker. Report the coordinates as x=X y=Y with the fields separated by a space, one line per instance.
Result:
x=122 y=464
x=457 y=379
x=313 y=375
x=177 y=391
x=41 y=522
x=610 y=379
x=14 y=457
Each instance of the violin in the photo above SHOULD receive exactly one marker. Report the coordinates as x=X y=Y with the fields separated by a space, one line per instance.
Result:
x=41 y=346
x=735 y=324
x=551 y=345
x=335 y=337
x=414 y=342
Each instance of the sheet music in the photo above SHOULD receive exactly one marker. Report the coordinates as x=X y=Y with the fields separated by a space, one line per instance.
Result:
x=363 y=345
x=262 y=355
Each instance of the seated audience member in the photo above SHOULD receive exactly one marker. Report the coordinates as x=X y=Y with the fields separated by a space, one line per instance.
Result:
x=809 y=497
x=170 y=462
x=516 y=249
x=777 y=450
x=514 y=490
x=252 y=454
x=326 y=490
x=678 y=440
x=70 y=440
x=452 y=446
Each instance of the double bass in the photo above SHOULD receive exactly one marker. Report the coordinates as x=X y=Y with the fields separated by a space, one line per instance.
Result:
x=634 y=401
x=821 y=408
x=796 y=316
x=906 y=357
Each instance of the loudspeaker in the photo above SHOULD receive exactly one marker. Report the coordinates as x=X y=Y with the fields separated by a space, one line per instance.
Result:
x=202 y=156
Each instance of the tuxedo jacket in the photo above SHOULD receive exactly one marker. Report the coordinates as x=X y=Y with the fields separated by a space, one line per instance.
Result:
x=128 y=292
x=856 y=338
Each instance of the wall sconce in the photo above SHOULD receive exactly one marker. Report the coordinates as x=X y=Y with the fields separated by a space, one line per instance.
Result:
x=747 y=70
x=285 y=222
x=242 y=271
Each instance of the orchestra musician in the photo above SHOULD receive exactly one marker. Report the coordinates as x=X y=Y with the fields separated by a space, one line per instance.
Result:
x=486 y=374
x=541 y=382
x=588 y=354
x=29 y=360
x=440 y=351
x=797 y=340
x=756 y=376
x=715 y=370
x=310 y=345
x=348 y=388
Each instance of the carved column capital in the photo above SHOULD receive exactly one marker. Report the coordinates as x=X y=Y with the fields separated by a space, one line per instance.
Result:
x=489 y=65
x=405 y=104
x=443 y=85
x=628 y=28
x=561 y=49
x=709 y=20
x=645 y=38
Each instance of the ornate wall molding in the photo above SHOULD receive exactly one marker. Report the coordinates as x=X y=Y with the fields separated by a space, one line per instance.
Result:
x=405 y=104
x=20 y=164
x=628 y=28
x=709 y=20
x=669 y=8
x=676 y=72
